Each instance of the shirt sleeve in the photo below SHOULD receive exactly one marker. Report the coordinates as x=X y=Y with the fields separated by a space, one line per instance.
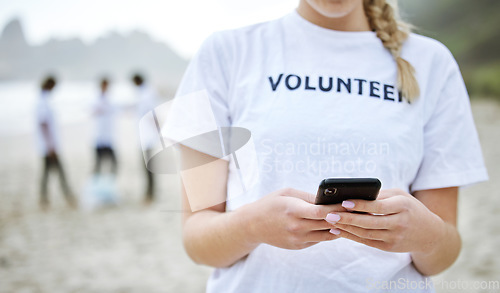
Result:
x=200 y=107
x=452 y=153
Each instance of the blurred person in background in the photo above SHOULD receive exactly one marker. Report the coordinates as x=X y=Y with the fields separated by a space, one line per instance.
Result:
x=104 y=112
x=101 y=189
x=147 y=100
x=48 y=140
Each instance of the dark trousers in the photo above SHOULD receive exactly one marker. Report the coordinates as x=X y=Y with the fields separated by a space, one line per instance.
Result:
x=150 y=180
x=105 y=153
x=51 y=163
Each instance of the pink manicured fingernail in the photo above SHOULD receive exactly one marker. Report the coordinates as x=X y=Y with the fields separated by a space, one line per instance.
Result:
x=335 y=231
x=332 y=218
x=347 y=204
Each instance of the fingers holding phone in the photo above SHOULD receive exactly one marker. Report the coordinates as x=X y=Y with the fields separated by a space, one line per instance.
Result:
x=393 y=222
x=289 y=219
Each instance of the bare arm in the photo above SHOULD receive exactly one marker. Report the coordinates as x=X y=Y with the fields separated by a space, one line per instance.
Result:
x=442 y=252
x=212 y=236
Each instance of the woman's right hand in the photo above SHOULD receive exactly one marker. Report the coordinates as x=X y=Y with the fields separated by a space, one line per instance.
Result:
x=288 y=218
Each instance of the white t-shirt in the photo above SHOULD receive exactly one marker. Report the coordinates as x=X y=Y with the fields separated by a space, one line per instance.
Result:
x=45 y=114
x=321 y=103
x=104 y=111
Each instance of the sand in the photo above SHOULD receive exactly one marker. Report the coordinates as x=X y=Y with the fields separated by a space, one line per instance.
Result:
x=130 y=248
x=134 y=248
x=479 y=214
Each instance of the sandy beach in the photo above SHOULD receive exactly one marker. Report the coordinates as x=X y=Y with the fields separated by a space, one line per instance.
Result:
x=137 y=248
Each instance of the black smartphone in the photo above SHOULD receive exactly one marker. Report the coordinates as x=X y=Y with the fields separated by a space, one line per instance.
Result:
x=336 y=190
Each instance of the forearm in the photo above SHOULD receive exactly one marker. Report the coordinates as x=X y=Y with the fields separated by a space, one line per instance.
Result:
x=441 y=253
x=218 y=239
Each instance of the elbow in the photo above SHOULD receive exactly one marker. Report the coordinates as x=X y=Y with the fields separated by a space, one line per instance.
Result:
x=456 y=251
x=201 y=257
x=196 y=253
x=191 y=251
x=193 y=256
x=439 y=262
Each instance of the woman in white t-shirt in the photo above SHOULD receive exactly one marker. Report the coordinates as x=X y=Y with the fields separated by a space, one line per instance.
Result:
x=334 y=89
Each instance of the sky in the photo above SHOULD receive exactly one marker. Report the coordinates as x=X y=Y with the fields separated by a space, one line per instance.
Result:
x=182 y=24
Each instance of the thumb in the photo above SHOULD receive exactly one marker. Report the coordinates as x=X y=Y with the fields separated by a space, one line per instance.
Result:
x=388 y=193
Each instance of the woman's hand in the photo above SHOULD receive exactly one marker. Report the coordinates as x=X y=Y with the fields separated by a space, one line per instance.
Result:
x=288 y=218
x=396 y=222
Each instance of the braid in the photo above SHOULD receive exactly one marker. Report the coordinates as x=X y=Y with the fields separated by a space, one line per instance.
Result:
x=383 y=21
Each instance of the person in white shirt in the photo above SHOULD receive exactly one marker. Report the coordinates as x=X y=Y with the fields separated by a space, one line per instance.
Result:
x=104 y=112
x=48 y=141
x=147 y=100
x=336 y=88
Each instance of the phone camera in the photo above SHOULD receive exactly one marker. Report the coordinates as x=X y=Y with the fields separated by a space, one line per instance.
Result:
x=330 y=191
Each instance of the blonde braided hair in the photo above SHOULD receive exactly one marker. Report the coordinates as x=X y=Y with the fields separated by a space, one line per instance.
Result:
x=383 y=19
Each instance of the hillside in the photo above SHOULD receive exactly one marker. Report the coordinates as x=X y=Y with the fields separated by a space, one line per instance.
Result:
x=114 y=55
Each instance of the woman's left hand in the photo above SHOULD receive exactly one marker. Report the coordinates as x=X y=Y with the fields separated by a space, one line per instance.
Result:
x=396 y=222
